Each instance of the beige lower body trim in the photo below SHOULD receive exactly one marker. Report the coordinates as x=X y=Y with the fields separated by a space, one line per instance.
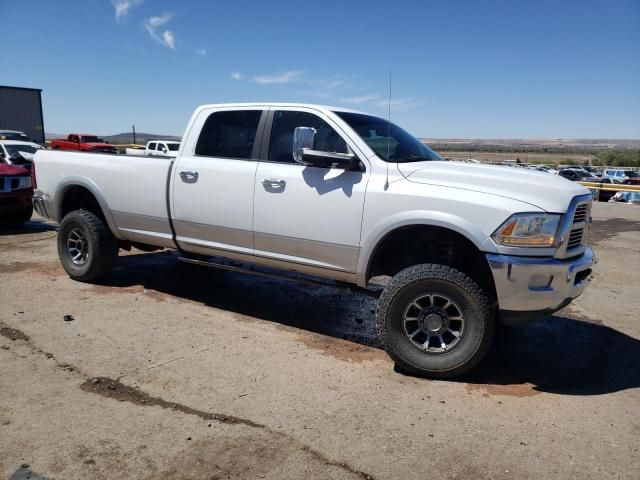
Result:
x=295 y=254
x=299 y=250
x=144 y=229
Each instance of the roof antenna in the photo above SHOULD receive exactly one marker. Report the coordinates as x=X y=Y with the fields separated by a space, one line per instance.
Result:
x=386 y=182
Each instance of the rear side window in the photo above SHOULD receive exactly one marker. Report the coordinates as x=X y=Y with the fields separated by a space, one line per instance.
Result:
x=285 y=122
x=229 y=134
x=152 y=146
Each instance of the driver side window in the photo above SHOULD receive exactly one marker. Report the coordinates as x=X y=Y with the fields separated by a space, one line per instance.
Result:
x=285 y=122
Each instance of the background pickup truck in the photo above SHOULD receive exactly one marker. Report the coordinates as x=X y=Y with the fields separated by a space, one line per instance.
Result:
x=83 y=142
x=157 y=148
x=340 y=195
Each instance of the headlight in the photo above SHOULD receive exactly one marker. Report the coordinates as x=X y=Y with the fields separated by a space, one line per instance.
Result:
x=528 y=230
x=25 y=182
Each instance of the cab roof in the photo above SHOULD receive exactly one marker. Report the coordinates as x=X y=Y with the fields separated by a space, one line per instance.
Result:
x=280 y=104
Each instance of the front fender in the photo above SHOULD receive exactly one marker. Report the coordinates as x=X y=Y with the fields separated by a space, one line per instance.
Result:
x=387 y=225
x=79 y=181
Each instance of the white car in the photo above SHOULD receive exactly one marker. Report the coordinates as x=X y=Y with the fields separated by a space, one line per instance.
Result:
x=542 y=168
x=14 y=135
x=341 y=195
x=9 y=149
x=157 y=148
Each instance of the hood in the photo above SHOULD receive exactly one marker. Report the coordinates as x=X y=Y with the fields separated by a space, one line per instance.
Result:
x=549 y=192
x=6 y=169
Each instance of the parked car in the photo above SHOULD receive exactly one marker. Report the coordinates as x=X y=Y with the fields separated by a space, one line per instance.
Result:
x=543 y=168
x=15 y=152
x=83 y=142
x=308 y=189
x=157 y=148
x=605 y=195
x=594 y=171
x=620 y=173
x=16 y=194
x=576 y=175
x=14 y=135
x=632 y=198
x=632 y=181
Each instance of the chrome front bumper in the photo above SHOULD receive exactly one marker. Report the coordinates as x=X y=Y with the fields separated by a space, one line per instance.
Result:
x=532 y=287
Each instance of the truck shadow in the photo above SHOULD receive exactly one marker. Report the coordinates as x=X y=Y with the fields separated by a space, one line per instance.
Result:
x=31 y=227
x=562 y=355
x=558 y=355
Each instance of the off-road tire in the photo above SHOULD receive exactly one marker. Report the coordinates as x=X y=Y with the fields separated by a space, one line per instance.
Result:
x=434 y=278
x=102 y=246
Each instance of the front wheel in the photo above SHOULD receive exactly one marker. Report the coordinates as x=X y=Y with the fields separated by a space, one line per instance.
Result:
x=434 y=321
x=86 y=247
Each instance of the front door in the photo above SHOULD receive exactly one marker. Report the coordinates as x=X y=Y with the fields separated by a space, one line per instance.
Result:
x=307 y=215
x=213 y=182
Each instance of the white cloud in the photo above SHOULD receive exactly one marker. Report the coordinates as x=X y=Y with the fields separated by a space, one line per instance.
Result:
x=166 y=38
x=169 y=39
x=333 y=83
x=237 y=76
x=160 y=20
x=361 y=99
x=286 y=77
x=122 y=7
x=202 y=52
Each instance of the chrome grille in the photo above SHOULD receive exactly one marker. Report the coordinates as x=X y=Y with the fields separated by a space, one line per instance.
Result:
x=575 y=238
x=582 y=211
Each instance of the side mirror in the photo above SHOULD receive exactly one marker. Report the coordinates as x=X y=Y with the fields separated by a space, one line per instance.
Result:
x=304 y=153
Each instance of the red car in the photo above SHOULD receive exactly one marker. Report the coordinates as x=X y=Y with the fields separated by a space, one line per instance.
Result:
x=83 y=142
x=16 y=194
x=632 y=181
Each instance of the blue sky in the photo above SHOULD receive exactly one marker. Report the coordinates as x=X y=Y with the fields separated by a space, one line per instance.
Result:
x=483 y=69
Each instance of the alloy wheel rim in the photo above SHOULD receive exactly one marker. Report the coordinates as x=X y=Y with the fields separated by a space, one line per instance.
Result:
x=434 y=323
x=77 y=246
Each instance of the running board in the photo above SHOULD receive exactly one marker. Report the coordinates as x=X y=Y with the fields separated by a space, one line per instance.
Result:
x=306 y=279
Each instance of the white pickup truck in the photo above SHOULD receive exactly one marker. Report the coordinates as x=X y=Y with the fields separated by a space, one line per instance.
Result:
x=156 y=148
x=340 y=195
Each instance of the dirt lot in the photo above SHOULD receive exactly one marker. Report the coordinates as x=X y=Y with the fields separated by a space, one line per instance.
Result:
x=172 y=372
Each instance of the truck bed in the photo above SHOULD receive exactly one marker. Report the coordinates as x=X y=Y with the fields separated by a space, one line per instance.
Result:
x=136 y=187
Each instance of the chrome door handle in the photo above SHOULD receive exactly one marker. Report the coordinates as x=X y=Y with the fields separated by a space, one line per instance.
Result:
x=273 y=183
x=189 y=177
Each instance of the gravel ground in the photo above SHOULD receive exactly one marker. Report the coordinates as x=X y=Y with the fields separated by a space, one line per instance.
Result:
x=171 y=371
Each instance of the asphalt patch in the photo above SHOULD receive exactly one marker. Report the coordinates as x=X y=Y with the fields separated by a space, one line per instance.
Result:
x=603 y=230
x=110 y=388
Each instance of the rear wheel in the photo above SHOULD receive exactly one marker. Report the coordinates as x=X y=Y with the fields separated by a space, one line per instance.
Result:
x=86 y=247
x=434 y=321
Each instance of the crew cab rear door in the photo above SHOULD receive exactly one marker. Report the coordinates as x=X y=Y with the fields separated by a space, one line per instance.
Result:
x=302 y=214
x=213 y=181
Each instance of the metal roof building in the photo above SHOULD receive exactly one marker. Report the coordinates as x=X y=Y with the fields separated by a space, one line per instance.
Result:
x=21 y=109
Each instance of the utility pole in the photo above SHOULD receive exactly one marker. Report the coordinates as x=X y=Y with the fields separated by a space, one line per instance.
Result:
x=134 y=134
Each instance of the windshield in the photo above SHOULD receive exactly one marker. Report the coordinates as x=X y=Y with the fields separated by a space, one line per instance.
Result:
x=91 y=139
x=11 y=149
x=390 y=142
x=173 y=146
